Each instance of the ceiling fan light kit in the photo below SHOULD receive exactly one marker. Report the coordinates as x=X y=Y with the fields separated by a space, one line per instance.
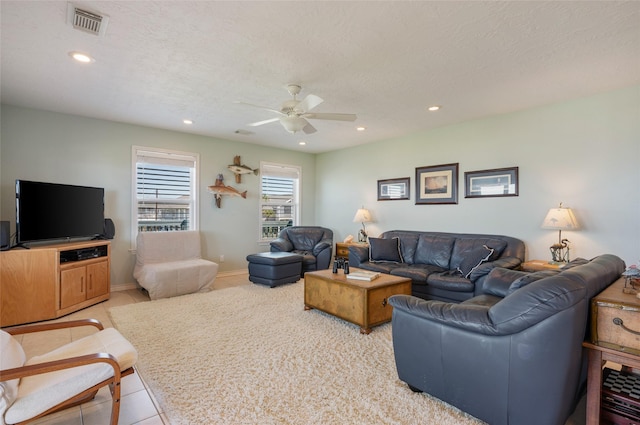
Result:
x=294 y=113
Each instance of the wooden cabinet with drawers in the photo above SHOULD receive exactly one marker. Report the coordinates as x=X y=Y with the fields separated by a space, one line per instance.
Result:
x=615 y=319
x=50 y=281
x=615 y=337
x=342 y=248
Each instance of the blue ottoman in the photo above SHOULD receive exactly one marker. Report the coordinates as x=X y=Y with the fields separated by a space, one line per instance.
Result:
x=274 y=268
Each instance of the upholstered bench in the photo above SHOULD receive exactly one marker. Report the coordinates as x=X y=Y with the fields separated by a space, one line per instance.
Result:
x=274 y=268
x=169 y=264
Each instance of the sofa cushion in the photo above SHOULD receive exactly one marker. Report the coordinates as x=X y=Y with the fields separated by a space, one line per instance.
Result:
x=500 y=279
x=529 y=278
x=484 y=300
x=473 y=259
x=418 y=273
x=451 y=281
x=463 y=246
x=382 y=267
x=384 y=250
x=434 y=250
x=408 y=244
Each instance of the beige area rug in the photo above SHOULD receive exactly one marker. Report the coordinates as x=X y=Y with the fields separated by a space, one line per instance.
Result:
x=253 y=355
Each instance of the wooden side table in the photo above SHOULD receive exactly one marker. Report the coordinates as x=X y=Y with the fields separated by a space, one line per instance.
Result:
x=538 y=265
x=342 y=248
x=597 y=356
x=610 y=341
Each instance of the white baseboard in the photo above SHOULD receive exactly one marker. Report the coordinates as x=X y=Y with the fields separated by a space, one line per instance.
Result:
x=134 y=285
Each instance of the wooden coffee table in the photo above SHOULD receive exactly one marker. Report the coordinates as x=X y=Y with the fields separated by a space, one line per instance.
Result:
x=360 y=302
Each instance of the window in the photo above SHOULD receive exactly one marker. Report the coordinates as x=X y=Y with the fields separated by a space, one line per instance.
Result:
x=164 y=190
x=279 y=198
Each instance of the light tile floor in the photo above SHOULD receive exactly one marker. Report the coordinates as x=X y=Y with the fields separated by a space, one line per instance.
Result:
x=137 y=405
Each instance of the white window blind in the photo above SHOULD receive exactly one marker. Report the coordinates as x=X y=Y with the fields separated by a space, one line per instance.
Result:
x=165 y=190
x=280 y=198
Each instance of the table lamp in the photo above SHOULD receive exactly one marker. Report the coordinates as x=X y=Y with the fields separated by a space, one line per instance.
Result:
x=560 y=219
x=362 y=216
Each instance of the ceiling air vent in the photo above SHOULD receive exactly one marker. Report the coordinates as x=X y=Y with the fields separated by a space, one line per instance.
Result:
x=87 y=21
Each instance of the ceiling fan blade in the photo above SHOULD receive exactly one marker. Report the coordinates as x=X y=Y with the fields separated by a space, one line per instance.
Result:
x=258 y=106
x=309 y=102
x=328 y=116
x=255 y=124
x=309 y=129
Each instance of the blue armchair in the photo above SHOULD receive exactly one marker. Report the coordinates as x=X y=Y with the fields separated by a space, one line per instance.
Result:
x=313 y=243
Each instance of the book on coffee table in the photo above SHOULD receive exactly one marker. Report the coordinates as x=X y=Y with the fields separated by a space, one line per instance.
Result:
x=363 y=275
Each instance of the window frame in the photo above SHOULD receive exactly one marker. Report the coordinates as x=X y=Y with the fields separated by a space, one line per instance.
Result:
x=166 y=155
x=297 y=195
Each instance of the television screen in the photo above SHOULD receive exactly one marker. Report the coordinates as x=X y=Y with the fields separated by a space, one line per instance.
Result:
x=48 y=211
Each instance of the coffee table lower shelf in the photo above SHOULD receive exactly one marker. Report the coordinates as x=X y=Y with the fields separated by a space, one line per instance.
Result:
x=362 y=303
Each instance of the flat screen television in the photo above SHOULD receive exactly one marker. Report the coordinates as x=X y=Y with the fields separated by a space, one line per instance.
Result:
x=52 y=211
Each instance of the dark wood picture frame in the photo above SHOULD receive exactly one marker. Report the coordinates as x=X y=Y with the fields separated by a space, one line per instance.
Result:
x=394 y=189
x=437 y=184
x=491 y=183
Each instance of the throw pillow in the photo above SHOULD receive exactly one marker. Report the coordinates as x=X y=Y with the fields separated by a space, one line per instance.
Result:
x=384 y=250
x=473 y=259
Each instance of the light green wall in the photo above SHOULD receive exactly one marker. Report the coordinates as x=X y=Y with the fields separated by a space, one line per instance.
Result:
x=584 y=153
x=44 y=146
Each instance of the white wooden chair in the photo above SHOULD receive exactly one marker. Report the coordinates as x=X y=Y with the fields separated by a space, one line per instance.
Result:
x=67 y=376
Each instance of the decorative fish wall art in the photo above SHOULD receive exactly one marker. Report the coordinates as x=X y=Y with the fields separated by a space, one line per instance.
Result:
x=239 y=169
x=219 y=189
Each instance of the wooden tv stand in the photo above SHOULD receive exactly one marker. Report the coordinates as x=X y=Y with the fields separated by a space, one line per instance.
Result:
x=49 y=281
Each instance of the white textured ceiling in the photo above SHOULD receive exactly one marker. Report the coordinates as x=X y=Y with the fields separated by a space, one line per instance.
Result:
x=386 y=61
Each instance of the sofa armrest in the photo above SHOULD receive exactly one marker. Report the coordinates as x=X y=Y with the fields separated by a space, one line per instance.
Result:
x=358 y=254
x=471 y=317
x=321 y=246
x=281 y=245
x=323 y=252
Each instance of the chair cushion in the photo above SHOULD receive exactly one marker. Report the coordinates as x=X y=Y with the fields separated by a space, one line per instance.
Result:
x=38 y=393
x=383 y=250
x=12 y=356
x=175 y=278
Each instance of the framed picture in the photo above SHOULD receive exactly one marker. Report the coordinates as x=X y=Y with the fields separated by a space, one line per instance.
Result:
x=393 y=189
x=437 y=184
x=488 y=183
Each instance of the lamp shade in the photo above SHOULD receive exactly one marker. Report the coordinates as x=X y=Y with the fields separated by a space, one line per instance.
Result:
x=362 y=216
x=560 y=219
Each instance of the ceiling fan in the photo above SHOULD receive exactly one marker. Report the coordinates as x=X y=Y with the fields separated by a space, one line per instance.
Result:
x=294 y=113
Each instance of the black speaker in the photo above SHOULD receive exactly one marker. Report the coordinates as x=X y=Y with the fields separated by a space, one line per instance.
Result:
x=5 y=236
x=109 y=229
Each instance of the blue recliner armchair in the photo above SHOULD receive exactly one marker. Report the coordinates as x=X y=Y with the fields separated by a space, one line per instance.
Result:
x=313 y=243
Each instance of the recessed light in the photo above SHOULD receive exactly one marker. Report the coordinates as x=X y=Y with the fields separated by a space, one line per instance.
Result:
x=302 y=143
x=81 y=57
x=434 y=108
x=187 y=122
x=361 y=128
